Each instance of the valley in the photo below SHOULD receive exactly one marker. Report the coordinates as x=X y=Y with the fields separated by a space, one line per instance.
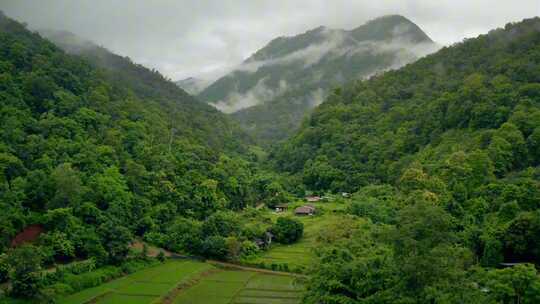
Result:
x=359 y=165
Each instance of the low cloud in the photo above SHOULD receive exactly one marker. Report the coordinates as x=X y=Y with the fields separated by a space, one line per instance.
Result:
x=310 y=55
x=334 y=44
x=316 y=97
x=337 y=43
x=258 y=94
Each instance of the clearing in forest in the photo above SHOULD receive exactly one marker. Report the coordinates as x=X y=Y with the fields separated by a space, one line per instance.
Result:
x=298 y=256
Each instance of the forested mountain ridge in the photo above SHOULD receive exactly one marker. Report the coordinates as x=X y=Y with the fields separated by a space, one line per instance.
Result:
x=467 y=94
x=145 y=83
x=96 y=162
x=274 y=88
x=443 y=159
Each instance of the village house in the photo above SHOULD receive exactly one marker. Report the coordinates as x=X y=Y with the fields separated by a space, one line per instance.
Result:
x=313 y=199
x=305 y=210
x=281 y=207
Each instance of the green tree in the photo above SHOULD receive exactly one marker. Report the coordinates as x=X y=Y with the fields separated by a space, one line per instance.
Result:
x=522 y=238
x=518 y=284
x=214 y=247
x=25 y=275
x=425 y=249
x=222 y=223
x=115 y=240
x=287 y=230
x=68 y=187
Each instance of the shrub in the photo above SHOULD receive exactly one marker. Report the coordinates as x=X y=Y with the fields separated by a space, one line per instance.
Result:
x=234 y=248
x=80 y=267
x=249 y=249
x=58 y=289
x=133 y=265
x=214 y=247
x=25 y=276
x=94 y=278
x=156 y=238
x=161 y=257
x=287 y=230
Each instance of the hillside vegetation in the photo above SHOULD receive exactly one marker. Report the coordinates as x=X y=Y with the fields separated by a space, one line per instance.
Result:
x=99 y=155
x=443 y=155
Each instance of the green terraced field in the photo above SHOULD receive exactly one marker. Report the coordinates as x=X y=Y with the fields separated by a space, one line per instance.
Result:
x=242 y=287
x=204 y=284
x=142 y=287
x=300 y=254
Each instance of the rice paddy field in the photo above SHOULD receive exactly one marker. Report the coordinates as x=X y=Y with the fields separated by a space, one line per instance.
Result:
x=243 y=287
x=190 y=282
x=142 y=287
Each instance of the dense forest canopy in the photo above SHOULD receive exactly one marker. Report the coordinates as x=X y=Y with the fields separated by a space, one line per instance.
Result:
x=98 y=156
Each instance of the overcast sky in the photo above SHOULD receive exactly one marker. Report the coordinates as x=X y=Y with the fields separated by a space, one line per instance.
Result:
x=204 y=38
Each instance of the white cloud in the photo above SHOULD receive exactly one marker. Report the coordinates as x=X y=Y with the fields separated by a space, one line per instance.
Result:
x=258 y=94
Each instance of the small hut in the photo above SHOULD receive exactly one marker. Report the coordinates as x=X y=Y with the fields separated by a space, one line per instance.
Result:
x=313 y=199
x=305 y=210
x=281 y=207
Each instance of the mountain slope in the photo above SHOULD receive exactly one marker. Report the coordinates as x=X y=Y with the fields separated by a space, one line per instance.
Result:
x=94 y=160
x=272 y=90
x=443 y=159
x=465 y=97
x=150 y=84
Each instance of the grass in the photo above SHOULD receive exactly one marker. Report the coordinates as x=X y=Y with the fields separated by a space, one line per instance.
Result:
x=142 y=287
x=242 y=287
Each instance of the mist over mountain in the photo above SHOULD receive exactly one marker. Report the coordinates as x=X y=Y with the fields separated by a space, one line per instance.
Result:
x=150 y=84
x=272 y=90
x=192 y=85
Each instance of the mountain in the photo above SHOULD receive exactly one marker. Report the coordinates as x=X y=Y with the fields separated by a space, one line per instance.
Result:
x=150 y=84
x=95 y=149
x=479 y=96
x=192 y=85
x=443 y=159
x=274 y=88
